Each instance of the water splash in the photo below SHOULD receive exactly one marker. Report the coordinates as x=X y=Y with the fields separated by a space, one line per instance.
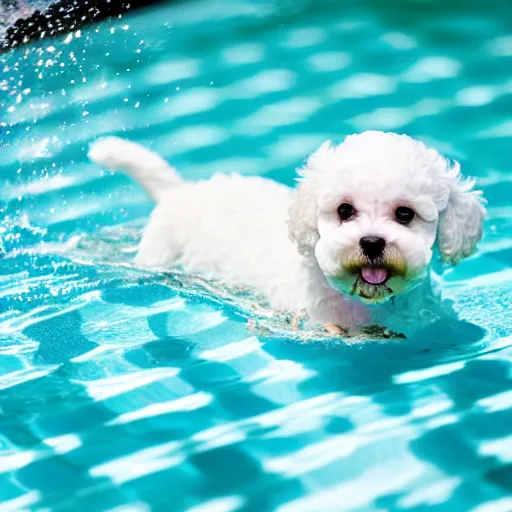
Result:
x=110 y=251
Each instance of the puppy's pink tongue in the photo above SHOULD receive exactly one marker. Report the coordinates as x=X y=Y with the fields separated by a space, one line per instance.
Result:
x=374 y=275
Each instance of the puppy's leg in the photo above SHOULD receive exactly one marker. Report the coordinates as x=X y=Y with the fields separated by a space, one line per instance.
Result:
x=156 y=251
x=158 y=247
x=334 y=330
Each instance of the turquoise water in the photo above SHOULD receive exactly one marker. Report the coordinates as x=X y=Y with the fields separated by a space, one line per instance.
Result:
x=123 y=389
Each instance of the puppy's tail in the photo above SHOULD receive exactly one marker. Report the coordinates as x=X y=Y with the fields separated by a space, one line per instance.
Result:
x=150 y=170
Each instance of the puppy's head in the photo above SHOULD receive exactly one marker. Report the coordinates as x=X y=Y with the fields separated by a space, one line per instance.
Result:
x=372 y=209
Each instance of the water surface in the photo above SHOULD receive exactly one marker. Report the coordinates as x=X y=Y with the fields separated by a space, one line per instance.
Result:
x=119 y=387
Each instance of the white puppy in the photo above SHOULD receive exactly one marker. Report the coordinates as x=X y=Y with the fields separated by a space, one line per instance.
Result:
x=360 y=228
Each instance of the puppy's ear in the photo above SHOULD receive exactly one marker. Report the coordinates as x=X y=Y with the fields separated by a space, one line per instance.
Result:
x=461 y=223
x=302 y=223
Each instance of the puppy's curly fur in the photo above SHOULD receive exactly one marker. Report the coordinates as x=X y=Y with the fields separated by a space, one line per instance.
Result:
x=293 y=246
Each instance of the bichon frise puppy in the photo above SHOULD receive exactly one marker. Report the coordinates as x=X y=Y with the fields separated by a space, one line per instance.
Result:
x=359 y=230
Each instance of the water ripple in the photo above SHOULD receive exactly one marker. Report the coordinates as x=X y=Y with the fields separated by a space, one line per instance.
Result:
x=123 y=389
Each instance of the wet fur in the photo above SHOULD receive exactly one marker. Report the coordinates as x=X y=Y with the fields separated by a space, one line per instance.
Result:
x=288 y=245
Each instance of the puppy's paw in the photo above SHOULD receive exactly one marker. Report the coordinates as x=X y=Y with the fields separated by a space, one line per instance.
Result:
x=334 y=330
x=379 y=332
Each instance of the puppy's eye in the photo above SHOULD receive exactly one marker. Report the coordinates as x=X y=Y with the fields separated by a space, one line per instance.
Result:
x=345 y=211
x=404 y=215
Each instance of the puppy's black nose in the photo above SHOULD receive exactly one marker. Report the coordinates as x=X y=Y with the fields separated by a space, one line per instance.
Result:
x=372 y=246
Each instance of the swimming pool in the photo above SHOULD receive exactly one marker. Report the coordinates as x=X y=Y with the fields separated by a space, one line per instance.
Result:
x=122 y=389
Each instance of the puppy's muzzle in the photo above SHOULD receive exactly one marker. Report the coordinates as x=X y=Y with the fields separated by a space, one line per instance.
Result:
x=372 y=246
x=375 y=262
